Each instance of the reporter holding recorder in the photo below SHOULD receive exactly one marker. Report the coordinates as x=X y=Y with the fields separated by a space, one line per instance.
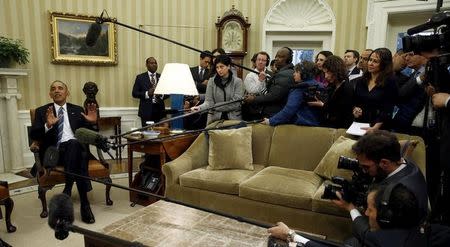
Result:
x=224 y=86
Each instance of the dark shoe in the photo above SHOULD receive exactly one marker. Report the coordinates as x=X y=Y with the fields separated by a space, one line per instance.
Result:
x=86 y=214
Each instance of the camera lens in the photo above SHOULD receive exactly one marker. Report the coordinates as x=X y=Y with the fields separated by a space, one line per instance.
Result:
x=348 y=163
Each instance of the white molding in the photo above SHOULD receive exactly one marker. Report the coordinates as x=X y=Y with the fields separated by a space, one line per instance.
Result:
x=286 y=21
x=129 y=119
x=378 y=12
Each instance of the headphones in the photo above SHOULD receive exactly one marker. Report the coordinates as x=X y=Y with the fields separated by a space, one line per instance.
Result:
x=290 y=55
x=384 y=211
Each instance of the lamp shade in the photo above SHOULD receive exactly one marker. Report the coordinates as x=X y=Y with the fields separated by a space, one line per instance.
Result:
x=176 y=78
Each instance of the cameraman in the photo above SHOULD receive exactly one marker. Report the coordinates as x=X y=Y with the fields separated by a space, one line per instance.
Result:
x=391 y=221
x=378 y=154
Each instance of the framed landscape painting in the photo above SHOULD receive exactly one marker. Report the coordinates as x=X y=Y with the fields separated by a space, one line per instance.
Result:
x=68 y=36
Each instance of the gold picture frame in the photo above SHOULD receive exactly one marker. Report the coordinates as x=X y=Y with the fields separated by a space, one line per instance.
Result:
x=68 y=35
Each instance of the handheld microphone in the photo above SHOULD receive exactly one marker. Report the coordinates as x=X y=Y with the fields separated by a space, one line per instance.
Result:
x=88 y=136
x=93 y=33
x=60 y=218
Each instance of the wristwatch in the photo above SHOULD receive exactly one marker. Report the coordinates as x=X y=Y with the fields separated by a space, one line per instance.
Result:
x=291 y=235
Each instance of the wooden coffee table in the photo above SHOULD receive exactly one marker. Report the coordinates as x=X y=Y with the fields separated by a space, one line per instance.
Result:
x=169 y=224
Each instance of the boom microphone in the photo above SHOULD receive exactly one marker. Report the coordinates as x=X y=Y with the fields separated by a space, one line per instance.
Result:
x=88 y=136
x=93 y=34
x=60 y=218
x=60 y=215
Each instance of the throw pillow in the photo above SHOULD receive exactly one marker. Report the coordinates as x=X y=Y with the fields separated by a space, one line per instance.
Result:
x=230 y=149
x=327 y=167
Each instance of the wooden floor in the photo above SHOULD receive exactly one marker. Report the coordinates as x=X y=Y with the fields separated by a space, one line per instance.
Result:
x=116 y=167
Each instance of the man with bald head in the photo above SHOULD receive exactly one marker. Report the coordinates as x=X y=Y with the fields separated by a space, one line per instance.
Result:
x=277 y=87
x=363 y=59
x=55 y=124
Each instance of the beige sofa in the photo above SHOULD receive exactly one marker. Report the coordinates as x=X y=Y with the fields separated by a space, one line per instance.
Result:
x=282 y=187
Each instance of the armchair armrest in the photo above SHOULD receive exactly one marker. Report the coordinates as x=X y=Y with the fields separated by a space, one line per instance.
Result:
x=196 y=156
x=34 y=147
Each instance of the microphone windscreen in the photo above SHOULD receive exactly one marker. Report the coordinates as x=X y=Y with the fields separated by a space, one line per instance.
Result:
x=60 y=209
x=51 y=157
x=93 y=33
x=87 y=136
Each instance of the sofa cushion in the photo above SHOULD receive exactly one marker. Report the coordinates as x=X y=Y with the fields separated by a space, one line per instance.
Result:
x=299 y=147
x=221 y=181
x=230 y=149
x=327 y=167
x=282 y=186
x=326 y=206
x=261 y=140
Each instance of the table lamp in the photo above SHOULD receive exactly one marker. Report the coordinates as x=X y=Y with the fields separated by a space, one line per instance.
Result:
x=176 y=80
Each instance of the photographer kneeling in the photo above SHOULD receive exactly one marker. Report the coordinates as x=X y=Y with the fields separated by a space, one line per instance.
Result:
x=391 y=221
x=378 y=155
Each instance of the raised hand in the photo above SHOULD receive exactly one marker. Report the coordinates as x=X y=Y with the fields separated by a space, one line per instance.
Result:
x=357 y=112
x=91 y=115
x=51 y=119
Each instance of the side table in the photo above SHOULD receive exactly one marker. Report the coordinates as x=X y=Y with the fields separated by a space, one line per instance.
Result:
x=169 y=148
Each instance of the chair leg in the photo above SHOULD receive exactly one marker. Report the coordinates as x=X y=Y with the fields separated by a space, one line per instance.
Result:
x=9 y=205
x=42 y=191
x=109 y=202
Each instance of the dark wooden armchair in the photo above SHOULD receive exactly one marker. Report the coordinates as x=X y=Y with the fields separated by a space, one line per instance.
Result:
x=6 y=200
x=98 y=168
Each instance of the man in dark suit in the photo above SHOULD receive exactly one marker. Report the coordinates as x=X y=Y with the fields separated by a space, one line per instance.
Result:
x=151 y=106
x=55 y=125
x=201 y=73
x=351 y=59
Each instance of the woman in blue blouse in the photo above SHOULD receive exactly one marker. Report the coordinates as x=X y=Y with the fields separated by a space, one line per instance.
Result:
x=297 y=111
x=376 y=91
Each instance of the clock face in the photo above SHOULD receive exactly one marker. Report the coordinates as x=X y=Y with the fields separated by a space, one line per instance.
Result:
x=232 y=37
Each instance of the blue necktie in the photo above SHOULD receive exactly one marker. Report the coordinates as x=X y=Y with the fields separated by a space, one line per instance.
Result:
x=60 y=125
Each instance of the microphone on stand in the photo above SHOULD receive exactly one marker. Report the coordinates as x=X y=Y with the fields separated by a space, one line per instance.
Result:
x=178 y=117
x=87 y=136
x=60 y=218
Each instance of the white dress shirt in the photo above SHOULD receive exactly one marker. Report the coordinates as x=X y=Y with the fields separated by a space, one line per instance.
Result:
x=67 y=130
x=252 y=83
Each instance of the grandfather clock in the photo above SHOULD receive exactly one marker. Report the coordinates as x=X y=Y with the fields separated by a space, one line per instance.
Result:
x=232 y=35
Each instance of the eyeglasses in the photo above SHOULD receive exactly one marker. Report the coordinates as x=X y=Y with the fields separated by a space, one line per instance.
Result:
x=261 y=60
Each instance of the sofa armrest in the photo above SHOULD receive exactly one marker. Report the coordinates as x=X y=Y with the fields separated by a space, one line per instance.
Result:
x=194 y=157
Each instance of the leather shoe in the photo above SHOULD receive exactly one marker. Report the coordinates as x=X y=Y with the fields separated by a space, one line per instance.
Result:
x=86 y=214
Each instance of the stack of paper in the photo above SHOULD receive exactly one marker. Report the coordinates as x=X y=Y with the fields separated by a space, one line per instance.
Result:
x=357 y=129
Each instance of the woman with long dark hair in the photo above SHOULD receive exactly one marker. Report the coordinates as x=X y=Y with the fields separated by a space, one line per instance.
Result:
x=224 y=86
x=376 y=91
x=321 y=57
x=337 y=105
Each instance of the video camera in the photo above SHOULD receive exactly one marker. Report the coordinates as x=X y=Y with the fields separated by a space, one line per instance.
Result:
x=313 y=92
x=354 y=191
x=436 y=71
x=438 y=40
